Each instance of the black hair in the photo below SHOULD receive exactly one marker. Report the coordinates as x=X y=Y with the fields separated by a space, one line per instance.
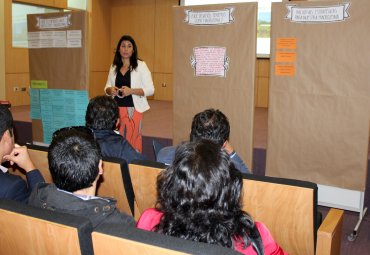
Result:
x=6 y=120
x=199 y=196
x=210 y=124
x=102 y=113
x=73 y=159
x=117 y=60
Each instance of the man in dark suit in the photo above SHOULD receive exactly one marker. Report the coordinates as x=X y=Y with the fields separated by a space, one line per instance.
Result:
x=75 y=163
x=11 y=186
x=102 y=116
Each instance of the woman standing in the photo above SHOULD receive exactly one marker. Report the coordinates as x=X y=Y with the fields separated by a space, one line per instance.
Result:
x=130 y=82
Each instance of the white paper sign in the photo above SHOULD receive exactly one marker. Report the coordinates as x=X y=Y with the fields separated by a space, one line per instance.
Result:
x=318 y=14
x=55 y=39
x=34 y=44
x=74 y=38
x=208 y=18
x=74 y=43
x=209 y=61
x=53 y=23
x=74 y=34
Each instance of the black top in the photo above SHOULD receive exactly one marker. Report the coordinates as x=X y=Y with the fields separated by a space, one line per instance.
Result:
x=124 y=80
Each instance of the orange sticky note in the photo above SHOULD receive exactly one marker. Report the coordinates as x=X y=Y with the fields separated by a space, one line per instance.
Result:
x=285 y=56
x=284 y=70
x=286 y=43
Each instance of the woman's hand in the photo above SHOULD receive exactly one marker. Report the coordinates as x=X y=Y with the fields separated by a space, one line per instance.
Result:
x=112 y=91
x=126 y=91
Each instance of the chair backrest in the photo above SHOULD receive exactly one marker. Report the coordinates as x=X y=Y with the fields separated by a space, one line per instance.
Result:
x=132 y=241
x=157 y=146
x=144 y=181
x=39 y=156
x=116 y=183
x=29 y=230
x=287 y=207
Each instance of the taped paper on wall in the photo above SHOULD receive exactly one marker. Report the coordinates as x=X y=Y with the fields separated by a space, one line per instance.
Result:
x=284 y=70
x=289 y=43
x=285 y=56
x=58 y=108
x=209 y=61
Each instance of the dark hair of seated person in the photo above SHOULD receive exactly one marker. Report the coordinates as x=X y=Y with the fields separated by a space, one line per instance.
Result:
x=102 y=113
x=199 y=196
x=6 y=122
x=74 y=157
x=210 y=124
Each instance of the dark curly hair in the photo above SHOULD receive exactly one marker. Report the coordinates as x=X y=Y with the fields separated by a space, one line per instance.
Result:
x=102 y=113
x=210 y=124
x=117 y=60
x=199 y=196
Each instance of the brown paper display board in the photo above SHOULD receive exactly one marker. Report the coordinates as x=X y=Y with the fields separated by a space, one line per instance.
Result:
x=319 y=106
x=58 y=60
x=57 y=49
x=214 y=67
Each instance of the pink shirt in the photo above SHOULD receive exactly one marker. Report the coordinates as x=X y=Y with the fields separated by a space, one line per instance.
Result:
x=151 y=217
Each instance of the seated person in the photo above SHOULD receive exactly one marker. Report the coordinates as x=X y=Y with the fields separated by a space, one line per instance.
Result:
x=75 y=165
x=199 y=199
x=213 y=125
x=102 y=116
x=12 y=186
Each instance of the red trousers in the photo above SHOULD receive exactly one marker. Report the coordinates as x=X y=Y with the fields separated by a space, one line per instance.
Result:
x=131 y=126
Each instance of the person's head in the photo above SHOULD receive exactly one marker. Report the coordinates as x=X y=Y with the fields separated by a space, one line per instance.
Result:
x=126 y=48
x=200 y=196
x=74 y=159
x=102 y=113
x=6 y=131
x=210 y=124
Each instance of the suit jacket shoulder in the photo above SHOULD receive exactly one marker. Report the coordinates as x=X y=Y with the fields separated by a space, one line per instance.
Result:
x=13 y=187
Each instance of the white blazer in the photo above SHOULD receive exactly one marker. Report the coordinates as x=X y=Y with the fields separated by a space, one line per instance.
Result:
x=140 y=78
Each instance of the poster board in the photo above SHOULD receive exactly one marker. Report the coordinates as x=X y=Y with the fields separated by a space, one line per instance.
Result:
x=214 y=67
x=319 y=105
x=57 y=49
x=58 y=62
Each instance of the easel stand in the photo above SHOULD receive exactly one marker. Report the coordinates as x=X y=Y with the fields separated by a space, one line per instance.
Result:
x=351 y=237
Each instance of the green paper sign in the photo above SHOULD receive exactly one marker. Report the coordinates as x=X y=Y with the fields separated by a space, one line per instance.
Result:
x=39 y=84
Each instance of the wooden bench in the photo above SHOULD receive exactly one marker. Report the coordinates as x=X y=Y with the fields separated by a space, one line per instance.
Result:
x=29 y=230
x=132 y=241
x=116 y=182
x=39 y=157
x=144 y=181
x=287 y=207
